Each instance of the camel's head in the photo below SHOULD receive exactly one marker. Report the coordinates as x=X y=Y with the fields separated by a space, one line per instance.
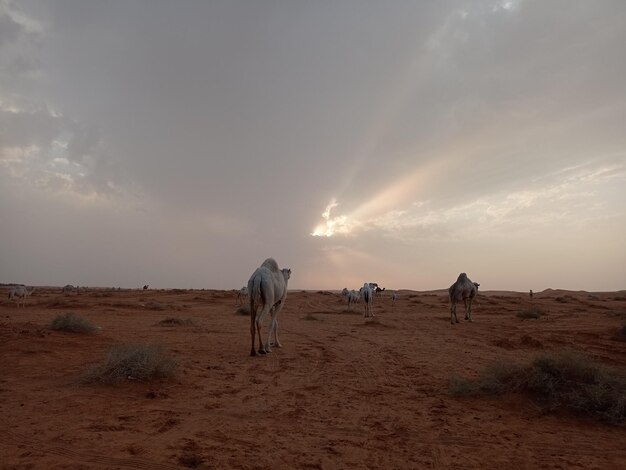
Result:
x=286 y=273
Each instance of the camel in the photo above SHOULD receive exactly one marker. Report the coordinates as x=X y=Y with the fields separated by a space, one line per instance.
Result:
x=20 y=292
x=68 y=289
x=242 y=296
x=146 y=287
x=368 y=299
x=353 y=298
x=463 y=289
x=345 y=294
x=394 y=296
x=267 y=287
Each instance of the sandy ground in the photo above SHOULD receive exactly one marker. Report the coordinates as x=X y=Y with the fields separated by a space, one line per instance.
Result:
x=343 y=392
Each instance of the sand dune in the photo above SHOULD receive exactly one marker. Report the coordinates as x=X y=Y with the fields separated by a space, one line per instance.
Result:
x=342 y=392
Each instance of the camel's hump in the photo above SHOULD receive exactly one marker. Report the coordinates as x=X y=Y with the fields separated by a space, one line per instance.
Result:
x=271 y=264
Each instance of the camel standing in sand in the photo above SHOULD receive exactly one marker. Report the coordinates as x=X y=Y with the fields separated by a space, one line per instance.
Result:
x=463 y=289
x=267 y=287
x=368 y=299
x=20 y=293
x=242 y=296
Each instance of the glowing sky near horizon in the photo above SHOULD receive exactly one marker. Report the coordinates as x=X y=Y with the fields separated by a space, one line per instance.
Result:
x=391 y=142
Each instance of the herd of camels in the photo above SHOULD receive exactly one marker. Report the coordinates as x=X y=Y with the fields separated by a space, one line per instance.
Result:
x=267 y=289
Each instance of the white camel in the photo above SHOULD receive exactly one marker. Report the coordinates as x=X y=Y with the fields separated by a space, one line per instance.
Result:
x=368 y=299
x=267 y=287
x=463 y=289
x=345 y=294
x=68 y=289
x=242 y=296
x=353 y=298
x=20 y=293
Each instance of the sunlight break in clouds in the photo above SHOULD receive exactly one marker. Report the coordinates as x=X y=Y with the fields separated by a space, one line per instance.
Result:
x=331 y=226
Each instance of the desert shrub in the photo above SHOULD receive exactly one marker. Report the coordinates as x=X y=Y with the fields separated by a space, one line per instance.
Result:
x=530 y=313
x=244 y=309
x=497 y=377
x=566 y=379
x=59 y=303
x=72 y=323
x=154 y=305
x=131 y=362
x=174 y=321
x=310 y=317
x=621 y=334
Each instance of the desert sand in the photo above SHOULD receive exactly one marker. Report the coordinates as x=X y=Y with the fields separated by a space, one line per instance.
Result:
x=342 y=392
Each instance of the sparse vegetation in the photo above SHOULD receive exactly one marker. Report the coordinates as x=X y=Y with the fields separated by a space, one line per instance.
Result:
x=131 y=362
x=60 y=303
x=174 y=321
x=530 y=313
x=310 y=317
x=621 y=334
x=154 y=305
x=566 y=379
x=244 y=310
x=72 y=323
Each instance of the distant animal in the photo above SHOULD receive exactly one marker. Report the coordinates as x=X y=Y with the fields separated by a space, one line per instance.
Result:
x=267 y=288
x=378 y=290
x=68 y=289
x=531 y=294
x=242 y=296
x=20 y=293
x=463 y=289
x=353 y=298
x=146 y=287
x=345 y=293
x=394 y=296
x=368 y=299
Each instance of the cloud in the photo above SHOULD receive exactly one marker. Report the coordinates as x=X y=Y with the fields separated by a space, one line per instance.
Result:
x=572 y=197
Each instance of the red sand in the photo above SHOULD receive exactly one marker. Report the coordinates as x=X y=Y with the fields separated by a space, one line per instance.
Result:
x=342 y=392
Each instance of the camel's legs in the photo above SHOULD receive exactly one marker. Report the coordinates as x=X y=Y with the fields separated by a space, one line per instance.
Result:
x=453 y=317
x=274 y=327
x=252 y=327
x=262 y=347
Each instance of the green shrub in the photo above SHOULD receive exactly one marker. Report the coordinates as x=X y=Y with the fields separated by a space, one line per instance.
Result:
x=131 y=362
x=566 y=379
x=72 y=323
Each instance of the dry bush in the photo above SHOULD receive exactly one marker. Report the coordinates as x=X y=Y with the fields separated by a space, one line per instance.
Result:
x=621 y=334
x=174 y=321
x=244 y=310
x=531 y=313
x=72 y=323
x=154 y=305
x=131 y=362
x=566 y=379
x=59 y=303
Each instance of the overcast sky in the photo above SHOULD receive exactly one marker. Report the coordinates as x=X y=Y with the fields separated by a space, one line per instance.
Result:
x=179 y=144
